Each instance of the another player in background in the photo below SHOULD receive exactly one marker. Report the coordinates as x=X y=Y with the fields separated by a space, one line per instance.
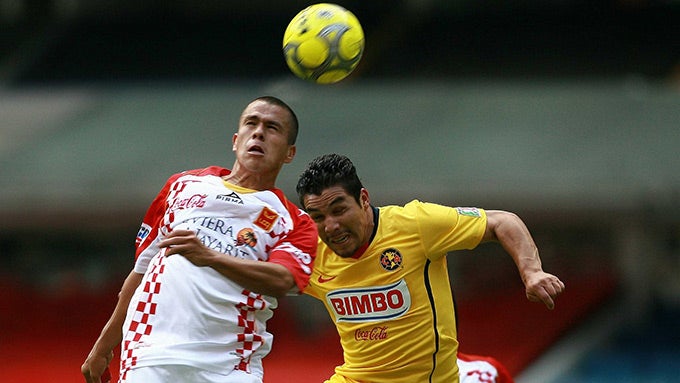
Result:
x=183 y=323
x=481 y=369
x=381 y=273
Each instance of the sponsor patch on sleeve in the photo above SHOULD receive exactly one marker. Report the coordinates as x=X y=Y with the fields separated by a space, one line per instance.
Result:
x=143 y=232
x=469 y=211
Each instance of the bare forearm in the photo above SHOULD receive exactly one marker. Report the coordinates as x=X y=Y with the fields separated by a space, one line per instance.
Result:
x=508 y=229
x=112 y=332
x=518 y=242
x=261 y=277
x=511 y=232
x=100 y=356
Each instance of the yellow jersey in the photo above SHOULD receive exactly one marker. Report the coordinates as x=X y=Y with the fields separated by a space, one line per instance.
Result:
x=392 y=304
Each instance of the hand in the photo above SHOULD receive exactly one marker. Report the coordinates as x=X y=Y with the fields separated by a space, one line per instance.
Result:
x=94 y=366
x=543 y=287
x=187 y=244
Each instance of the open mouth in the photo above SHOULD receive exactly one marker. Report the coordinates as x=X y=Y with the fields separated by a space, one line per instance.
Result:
x=256 y=149
x=340 y=239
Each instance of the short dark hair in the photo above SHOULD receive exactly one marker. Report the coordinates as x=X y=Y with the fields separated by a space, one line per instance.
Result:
x=292 y=135
x=326 y=171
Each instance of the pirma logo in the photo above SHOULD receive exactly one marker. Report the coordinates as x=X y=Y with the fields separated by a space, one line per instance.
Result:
x=232 y=198
x=370 y=303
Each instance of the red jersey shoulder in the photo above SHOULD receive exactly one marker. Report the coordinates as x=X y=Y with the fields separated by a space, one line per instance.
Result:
x=208 y=171
x=303 y=226
x=299 y=216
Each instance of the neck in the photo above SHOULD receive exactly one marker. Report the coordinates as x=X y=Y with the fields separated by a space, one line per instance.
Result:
x=371 y=228
x=249 y=179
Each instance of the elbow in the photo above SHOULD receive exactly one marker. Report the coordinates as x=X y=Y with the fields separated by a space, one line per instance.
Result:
x=278 y=291
x=502 y=223
x=283 y=286
x=503 y=216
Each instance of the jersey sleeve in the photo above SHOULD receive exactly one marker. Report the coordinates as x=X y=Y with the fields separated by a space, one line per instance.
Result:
x=149 y=233
x=297 y=250
x=444 y=229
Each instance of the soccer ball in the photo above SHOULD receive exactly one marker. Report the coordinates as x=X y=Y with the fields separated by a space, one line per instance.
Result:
x=323 y=43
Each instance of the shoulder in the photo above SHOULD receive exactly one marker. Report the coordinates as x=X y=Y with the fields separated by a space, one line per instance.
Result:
x=400 y=218
x=299 y=216
x=207 y=171
x=433 y=217
x=419 y=208
x=416 y=209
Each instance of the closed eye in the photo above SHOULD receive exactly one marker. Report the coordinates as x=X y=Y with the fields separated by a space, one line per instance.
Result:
x=317 y=218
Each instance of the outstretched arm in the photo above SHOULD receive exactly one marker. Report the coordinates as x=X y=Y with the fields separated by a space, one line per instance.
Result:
x=102 y=352
x=261 y=277
x=511 y=232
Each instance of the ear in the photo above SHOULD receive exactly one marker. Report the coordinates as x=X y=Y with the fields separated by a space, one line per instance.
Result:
x=365 y=198
x=291 y=154
x=233 y=142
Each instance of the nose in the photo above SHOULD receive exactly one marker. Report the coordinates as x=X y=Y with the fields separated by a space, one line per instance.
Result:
x=330 y=225
x=258 y=132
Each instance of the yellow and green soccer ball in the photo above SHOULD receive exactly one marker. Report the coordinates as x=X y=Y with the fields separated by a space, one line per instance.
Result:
x=323 y=43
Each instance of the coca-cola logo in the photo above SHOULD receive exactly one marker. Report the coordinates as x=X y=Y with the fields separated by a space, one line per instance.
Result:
x=195 y=201
x=375 y=333
x=370 y=303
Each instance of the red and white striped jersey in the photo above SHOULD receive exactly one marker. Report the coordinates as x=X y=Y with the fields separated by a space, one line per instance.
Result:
x=482 y=369
x=189 y=315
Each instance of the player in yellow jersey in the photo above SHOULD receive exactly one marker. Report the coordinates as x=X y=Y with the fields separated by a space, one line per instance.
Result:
x=381 y=273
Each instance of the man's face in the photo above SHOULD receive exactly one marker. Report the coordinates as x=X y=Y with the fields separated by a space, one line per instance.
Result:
x=261 y=143
x=343 y=223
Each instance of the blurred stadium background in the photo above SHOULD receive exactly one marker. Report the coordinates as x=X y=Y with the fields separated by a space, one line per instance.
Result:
x=566 y=112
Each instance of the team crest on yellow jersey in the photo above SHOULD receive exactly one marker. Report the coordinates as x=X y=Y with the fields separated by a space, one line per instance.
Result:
x=391 y=259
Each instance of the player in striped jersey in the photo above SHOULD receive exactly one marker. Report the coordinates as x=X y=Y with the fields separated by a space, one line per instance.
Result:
x=381 y=273
x=215 y=250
